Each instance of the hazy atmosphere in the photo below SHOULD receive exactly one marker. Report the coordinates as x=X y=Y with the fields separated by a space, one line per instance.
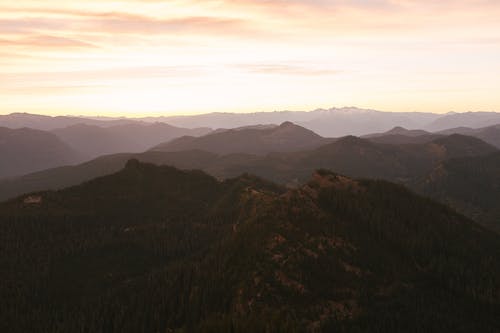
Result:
x=188 y=56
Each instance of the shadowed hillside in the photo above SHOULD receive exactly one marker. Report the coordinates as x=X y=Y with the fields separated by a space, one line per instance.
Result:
x=471 y=185
x=400 y=135
x=94 y=141
x=284 y=138
x=490 y=134
x=27 y=150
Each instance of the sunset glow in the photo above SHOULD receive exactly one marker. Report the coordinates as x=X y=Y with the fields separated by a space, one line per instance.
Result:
x=186 y=56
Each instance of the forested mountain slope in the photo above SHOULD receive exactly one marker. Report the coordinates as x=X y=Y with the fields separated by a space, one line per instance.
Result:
x=156 y=249
x=471 y=185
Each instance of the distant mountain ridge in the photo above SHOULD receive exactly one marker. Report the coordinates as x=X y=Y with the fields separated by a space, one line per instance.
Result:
x=47 y=123
x=333 y=122
x=466 y=119
x=400 y=135
x=337 y=122
x=490 y=134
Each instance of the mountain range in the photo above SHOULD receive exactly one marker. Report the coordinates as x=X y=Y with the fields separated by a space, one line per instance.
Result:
x=410 y=164
x=48 y=123
x=400 y=135
x=333 y=122
x=89 y=138
x=337 y=122
x=158 y=249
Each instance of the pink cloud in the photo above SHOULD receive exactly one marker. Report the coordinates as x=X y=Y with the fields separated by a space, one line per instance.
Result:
x=46 y=41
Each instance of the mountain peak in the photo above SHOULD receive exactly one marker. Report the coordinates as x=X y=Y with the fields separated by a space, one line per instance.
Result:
x=287 y=124
x=351 y=139
x=397 y=129
x=323 y=178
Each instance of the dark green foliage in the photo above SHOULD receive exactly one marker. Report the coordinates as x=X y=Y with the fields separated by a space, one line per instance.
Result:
x=155 y=249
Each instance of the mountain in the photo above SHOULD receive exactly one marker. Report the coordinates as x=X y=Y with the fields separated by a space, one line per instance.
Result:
x=470 y=184
x=467 y=119
x=48 y=123
x=157 y=249
x=334 y=122
x=250 y=140
x=94 y=140
x=358 y=157
x=398 y=130
x=457 y=145
x=61 y=177
x=27 y=150
x=400 y=135
x=352 y=121
x=490 y=134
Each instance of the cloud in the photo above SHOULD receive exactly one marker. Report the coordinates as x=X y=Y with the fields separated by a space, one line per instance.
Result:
x=29 y=25
x=263 y=19
x=46 y=41
x=72 y=20
x=198 y=25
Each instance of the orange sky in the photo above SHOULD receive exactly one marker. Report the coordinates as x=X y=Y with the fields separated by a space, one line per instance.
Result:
x=140 y=57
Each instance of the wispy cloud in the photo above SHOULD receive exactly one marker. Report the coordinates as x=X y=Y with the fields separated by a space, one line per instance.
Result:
x=198 y=25
x=37 y=19
x=46 y=41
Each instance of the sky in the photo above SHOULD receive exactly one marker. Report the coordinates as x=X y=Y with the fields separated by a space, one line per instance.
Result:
x=150 y=57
